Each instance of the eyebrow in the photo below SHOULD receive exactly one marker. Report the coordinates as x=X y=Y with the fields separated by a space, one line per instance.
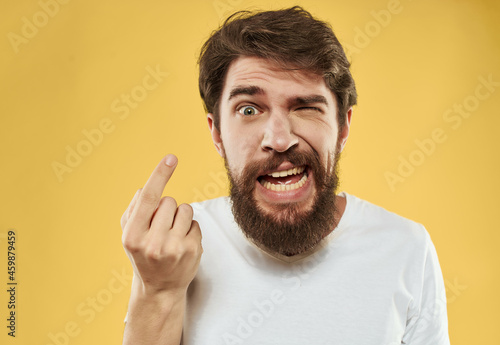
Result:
x=310 y=99
x=255 y=90
x=245 y=90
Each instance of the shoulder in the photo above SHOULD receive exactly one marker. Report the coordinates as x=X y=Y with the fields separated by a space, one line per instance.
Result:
x=214 y=214
x=212 y=207
x=366 y=218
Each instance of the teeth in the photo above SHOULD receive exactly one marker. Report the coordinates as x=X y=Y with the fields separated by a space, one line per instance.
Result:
x=285 y=187
x=293 y=171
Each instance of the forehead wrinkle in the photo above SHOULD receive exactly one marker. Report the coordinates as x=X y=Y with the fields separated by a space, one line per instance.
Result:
x=263 y=73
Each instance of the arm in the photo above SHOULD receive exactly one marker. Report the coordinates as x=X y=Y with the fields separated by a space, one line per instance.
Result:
x=429 y=322
x=154 y=318
x=163 y=244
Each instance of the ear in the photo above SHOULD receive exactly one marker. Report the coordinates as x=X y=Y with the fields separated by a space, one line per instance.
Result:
x=216 y=138
x=345 y=131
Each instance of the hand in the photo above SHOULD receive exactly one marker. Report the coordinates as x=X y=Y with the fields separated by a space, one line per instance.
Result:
x=162 y=241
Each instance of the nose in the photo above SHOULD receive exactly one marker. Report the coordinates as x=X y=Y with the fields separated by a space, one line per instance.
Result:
x=278 y=133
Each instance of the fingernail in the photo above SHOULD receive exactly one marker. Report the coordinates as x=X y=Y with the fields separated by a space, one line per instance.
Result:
x=171 y=160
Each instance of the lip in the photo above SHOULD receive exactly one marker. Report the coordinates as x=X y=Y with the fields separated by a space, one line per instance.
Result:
x=283 y=166
x=287 y=196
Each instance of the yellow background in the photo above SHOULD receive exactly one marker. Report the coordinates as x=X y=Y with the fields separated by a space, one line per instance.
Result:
x=65 y=78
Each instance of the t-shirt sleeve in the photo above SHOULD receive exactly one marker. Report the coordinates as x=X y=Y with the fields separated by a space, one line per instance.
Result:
x=427 y=322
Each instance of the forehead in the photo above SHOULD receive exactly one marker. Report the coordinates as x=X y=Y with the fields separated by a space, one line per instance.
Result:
x=273 y=79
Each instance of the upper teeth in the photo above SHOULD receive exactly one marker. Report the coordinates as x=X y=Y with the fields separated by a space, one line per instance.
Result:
x=293 y=171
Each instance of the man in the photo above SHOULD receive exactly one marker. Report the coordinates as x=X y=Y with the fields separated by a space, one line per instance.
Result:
x=286 y=260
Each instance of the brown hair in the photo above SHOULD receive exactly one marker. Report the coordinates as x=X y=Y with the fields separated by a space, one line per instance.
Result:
x=290 y=37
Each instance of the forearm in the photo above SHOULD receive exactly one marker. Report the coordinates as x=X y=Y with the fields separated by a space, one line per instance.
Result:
x=154 y=318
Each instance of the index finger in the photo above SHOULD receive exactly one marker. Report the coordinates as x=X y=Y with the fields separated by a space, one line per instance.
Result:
x=151 y=193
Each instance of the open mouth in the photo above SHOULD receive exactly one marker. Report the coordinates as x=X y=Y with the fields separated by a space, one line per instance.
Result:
x=284 y=180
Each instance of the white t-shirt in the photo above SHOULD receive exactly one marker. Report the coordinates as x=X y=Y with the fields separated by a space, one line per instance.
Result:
x=374 y=280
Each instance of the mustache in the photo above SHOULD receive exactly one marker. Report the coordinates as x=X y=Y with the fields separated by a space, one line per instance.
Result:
x=295 y=157
x=298 y=158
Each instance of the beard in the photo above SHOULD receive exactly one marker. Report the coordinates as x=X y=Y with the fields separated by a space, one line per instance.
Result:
x=287 y=229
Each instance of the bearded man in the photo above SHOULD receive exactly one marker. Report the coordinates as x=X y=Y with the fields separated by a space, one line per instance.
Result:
x=286 y=259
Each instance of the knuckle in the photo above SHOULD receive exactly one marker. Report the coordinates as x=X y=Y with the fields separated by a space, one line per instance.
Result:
x=184 y=216
x=130 y=245
x=172 y=245
x=194 y=249
x=186 y=209
x=190 y=249
x=175 y=251
x=152 y=253
x=149 y=198
x=168 y=202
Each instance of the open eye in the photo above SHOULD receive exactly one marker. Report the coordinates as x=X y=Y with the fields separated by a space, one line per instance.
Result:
x=248 y=110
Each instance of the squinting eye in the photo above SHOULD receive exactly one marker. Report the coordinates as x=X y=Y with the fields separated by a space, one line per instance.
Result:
x=309 y=108
x=248 y=110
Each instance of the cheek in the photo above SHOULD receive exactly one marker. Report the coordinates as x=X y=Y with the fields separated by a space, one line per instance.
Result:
x=321 y=128
x=322 y=139
x=240 y=147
